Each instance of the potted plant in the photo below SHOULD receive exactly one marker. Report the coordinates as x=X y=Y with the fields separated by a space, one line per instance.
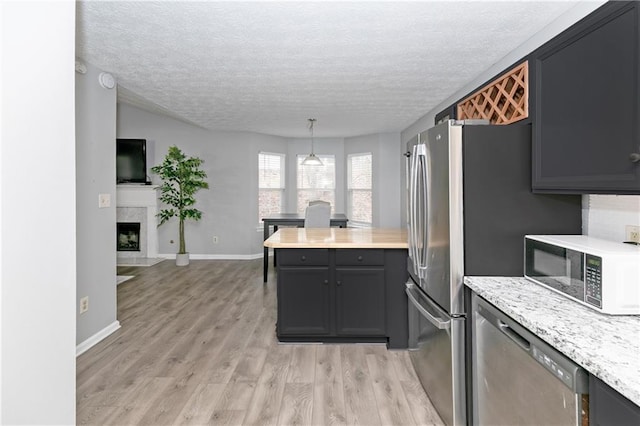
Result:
x=181 y=179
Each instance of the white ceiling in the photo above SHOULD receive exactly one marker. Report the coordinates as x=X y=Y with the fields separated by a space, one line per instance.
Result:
x=357 y=67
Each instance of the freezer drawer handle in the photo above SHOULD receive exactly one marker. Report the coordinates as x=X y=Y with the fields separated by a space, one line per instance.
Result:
x=437 y=322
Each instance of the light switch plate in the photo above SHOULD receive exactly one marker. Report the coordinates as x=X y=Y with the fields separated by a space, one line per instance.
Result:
x=104 y=201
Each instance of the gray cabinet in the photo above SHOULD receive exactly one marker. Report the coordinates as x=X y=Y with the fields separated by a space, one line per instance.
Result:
x=303 y=301
x=342 y=295
x=360 y=302
x=586 y=134
x=608 y=407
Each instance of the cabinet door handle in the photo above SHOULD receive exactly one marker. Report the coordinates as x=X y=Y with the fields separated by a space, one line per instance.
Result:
x=634 y=157
x=303 y=258
x=339 y=282
x=359 y=258
x=326 y=282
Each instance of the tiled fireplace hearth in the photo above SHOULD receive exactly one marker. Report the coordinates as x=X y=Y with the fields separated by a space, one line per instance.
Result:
x=137 y=204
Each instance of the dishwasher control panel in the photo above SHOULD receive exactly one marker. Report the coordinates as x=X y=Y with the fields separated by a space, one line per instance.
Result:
x=547 y=362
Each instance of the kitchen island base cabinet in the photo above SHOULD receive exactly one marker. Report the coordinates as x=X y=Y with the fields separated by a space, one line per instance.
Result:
x=303 y=301
x=342 y=295
x=360 y=302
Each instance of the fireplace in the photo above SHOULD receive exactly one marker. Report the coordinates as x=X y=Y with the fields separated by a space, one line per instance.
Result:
x=138 y=204
x=128 y=236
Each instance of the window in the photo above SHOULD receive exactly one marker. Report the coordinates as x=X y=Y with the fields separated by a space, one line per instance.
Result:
x=359 y=189
x=316 y=182
x=270 y=184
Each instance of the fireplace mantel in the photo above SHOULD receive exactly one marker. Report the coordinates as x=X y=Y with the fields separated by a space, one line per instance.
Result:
x=130 y=195
x=137 y=195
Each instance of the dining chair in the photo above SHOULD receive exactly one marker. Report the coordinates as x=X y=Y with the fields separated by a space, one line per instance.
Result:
x=317 y=215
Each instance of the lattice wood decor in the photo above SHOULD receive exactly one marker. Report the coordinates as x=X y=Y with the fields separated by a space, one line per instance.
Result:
x=503 y=101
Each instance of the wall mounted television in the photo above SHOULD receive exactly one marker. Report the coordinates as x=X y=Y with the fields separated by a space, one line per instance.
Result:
x=131 y=160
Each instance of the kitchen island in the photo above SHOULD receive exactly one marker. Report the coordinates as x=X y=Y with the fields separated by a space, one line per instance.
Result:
x=607 y=346
x=341 y=285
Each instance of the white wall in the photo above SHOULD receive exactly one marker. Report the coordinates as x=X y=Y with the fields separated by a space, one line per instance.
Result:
x=96 y=227
x=607 y=215
x=37 y=228
x=229 y=206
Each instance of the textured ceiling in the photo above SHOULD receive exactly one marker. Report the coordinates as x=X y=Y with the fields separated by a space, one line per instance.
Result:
x=357 y=67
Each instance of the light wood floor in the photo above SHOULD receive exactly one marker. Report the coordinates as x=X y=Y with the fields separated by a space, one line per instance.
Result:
x=198 y=346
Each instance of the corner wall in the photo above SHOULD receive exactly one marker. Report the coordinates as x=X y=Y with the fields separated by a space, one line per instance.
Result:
x=95 y=227
x=37 y=223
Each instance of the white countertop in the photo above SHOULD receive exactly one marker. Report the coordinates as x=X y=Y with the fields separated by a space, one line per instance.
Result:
x=607 y=346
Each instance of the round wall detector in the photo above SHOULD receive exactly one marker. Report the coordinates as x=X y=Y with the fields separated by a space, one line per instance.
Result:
x=106 y=80
x=81 y=68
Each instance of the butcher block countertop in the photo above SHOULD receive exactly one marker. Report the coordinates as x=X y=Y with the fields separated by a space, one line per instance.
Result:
x=341 y=238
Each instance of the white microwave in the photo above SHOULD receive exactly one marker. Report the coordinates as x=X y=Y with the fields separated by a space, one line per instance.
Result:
x=603 y=275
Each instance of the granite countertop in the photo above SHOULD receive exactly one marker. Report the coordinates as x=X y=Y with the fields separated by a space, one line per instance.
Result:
x=389 y=238
x=608 y=346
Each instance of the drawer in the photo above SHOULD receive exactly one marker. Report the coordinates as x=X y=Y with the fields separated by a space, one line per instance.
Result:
x=303 y=257
x=360 y=257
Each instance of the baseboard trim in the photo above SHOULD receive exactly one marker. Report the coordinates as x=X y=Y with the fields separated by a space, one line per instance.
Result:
x=216 y=256
x=93 y=340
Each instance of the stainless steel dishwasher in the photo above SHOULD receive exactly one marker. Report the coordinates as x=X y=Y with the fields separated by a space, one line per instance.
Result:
x=517 y=379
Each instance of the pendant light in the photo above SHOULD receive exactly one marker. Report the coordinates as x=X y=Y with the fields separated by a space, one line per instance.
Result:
x=311 y=159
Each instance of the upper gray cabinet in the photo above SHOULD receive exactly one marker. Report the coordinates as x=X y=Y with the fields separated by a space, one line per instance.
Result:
x=586 y=126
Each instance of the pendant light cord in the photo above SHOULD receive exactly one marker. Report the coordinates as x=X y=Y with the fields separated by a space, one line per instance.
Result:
x=311 y=122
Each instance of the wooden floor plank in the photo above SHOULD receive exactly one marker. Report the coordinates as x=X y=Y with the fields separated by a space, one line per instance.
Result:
x=96 y=415
x=328 y=392
x=147 y=392
x=201 y=405
x=422 y=409
x=390 y=399
x=296 y=404
x=402 y=366
x=359 y=398
x=303 y=364
x=227 y=417
x=264 y=407
x=197 y=345
x=236 y=396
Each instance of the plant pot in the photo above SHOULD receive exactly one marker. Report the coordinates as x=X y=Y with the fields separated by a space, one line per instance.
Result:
x=182 y=259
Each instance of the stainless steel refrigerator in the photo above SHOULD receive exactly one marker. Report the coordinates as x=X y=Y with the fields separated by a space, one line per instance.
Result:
x=469 y=207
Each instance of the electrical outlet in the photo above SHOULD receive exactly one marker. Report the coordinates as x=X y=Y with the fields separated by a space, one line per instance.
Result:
x=215 y=239
x=104 y=201
x=632 y=233
x=84 y=304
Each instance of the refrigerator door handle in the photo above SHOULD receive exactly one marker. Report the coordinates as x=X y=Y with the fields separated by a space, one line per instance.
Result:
x=413 y=193
x=410 y=213
x=417 y=236
x=425 y=211
x=423 y=306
